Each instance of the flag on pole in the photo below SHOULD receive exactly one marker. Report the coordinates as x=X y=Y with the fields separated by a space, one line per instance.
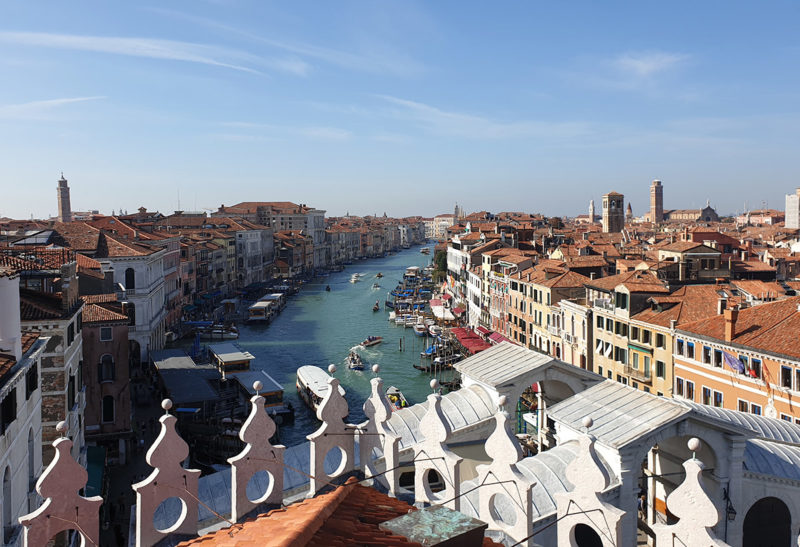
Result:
x=732 y=362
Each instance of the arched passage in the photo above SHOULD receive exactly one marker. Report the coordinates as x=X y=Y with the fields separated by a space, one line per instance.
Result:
x=8 y=525
x=767 y=524
x=585 y=536
x=130 y=279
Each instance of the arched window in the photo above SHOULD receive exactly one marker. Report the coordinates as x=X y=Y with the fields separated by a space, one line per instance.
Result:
x=585 y=536
x=130 y=279
x=106 y=371
x=108 y=409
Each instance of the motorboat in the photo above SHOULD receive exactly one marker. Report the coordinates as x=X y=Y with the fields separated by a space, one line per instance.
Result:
x=396 y=398
x=379 y=275
x=354 y=361
x=328 y=288
x=392 y=315
x=218 y=332
x=425 y=250
x=435 y=330
x=371 y=341
x=376 y=286
x=312 y=385
x=420 y=329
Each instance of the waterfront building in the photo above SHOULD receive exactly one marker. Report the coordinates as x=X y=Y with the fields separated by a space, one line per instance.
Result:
x=106 y=375
x=613 y=212
x=20 y=410
x=497 y=266
x=64 y=207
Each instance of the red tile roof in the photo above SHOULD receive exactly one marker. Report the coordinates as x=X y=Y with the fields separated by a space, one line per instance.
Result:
x=96 y=313
x=35 y=305
x=8 y=361
x=348 y=515
x=771 y=327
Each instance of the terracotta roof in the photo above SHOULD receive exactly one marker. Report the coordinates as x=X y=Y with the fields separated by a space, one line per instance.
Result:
x=758 y=288
x=8 y=361
x=566 y=280
x=752 y=266
x=96 y=313
x=681 y=246
x=635 y=281
x=771 y=327
x=98 y=298
x=37 y=305
x=686 y=304
x=348 y=515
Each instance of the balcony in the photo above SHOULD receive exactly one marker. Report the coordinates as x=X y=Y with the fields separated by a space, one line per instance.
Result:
x=555 y=331
x=604 y=303
x=638 y=373
x=568 y=338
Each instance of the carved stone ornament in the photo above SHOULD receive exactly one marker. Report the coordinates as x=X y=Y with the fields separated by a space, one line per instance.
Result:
x=377 y=434
x=505 y=494
x=584 y=504
x=168 y=480
x=63 y=507
x=692 y=505
x=432 y=454
x=257 y=455
x=332 y=435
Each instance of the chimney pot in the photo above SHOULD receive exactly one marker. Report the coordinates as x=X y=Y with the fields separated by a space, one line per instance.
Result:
x=731 y=315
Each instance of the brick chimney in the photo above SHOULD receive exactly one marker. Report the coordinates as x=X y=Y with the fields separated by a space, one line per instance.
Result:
x=731 y=315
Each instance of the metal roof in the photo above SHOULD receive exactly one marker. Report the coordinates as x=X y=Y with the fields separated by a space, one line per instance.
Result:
x=771 y=458
x=229 y=351
x=621 y=414
x=767 y=428
x=316 y=379
x=185 y=381
x=462 y=409
x=503 y=364
x=247 y=379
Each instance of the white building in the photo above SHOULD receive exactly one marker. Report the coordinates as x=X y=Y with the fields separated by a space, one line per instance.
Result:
x=576 y=333
x=793 y=210
x=20 y=410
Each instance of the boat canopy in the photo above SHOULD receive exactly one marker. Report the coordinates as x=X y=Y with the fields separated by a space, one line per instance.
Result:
x=315 y=379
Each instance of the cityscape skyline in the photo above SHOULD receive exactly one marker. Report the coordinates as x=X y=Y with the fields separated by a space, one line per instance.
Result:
x=384 y=101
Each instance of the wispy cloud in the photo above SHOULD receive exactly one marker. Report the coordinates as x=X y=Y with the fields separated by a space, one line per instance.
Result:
x=39 y=110
x=156 y=49
x=650 y=63
x=371 y=61
x=265 y=130
x=450 y=123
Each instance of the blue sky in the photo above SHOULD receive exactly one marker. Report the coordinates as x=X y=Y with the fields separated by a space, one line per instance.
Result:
x=403 y=107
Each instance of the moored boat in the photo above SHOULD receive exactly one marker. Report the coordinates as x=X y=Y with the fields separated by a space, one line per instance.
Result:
x=420 y=329
x=218 y=332
x=379 y=275
x=312 y=385
x=435 y=330
x=396 y=398
x=372 y=341
x=376 y=307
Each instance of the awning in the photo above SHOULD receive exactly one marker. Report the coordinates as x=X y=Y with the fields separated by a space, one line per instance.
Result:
x=96 y=467
x=484 y=331
x=458 y=311
x=446 y=296
x=435 y=302
x=189 y=307
x=496 y=337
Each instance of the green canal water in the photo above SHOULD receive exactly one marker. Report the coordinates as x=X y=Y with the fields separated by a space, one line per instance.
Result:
x=318 y=327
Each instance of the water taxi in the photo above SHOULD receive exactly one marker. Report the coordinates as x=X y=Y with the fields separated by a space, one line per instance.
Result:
x=425 y=250
x=260 y=311
x=312 y=385
x=372 y=341
x=396 y=398
x=218 y=332
x=354 y=361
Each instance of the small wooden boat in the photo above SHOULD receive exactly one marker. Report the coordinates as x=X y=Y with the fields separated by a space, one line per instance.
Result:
x=312 y=385
x=354 y=361
x=376 y=307
x=420 y=329
x=328 y=288
x=371 y=341
x=376 y=286
x=379 y=275
x=396 y=398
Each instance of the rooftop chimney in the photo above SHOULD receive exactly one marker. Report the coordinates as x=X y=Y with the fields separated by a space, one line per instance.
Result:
x=731 y=315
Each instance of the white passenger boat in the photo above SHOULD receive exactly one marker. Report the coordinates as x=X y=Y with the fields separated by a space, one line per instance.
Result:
x=312 y=385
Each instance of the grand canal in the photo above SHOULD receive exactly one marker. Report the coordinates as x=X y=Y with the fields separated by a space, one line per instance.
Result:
x=319 y=327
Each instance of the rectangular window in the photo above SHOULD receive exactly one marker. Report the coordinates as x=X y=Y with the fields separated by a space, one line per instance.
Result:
x=609 y=325
x=797 y=379
x=70 y=334
x=646 y=337
x=599 y=322
x=608 y=373
x=755 y=409
x=8 y=410
x=71 y=392
x=661 y=340
x=679 y=347
x=744 y=360
x=786 y=417
x=31 y=380
x=646 y=389
x=707 y=355
x=105 y=334
x=706 y=394
x=689 y=390
x=660 y=369
x=635 y=360
x=743 y=406
x=635 y=385
x=679 y=386
x=786 y=377
x=718 y=399
x=600 y=371
x=755 y=366
x=690 y=350
x=646 y=367
x=634 y=333
x=717 y=358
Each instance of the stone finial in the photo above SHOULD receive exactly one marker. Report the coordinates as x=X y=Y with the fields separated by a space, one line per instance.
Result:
x=376 y=368
x=691 y=503
x=63 y=507
x=376 y=434
x=434 y=384
x=257 y=455
x=168 y=480
x=332 y=369
x=333 y=434
x=505 y=491
x=432 y=453
x=502 y=401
